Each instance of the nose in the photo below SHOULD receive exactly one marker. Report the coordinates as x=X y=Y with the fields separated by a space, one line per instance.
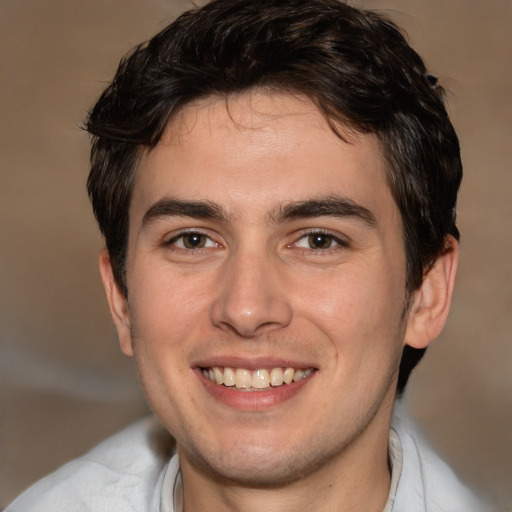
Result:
x=251 y=298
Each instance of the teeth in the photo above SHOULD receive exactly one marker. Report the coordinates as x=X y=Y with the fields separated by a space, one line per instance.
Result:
x=258 y=379
x=219 y=377
x=288 y=375
x=276 y=377
x=299 y=374
x=229 y=377
x=242 y=378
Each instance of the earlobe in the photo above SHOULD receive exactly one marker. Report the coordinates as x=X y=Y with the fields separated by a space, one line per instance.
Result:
x=117 y=303
x=431 y=303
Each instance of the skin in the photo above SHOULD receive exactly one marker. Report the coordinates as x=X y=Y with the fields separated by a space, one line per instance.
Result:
x=256 y=292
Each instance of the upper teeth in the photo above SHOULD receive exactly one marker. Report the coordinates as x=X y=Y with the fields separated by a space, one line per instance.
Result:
x=257 y=379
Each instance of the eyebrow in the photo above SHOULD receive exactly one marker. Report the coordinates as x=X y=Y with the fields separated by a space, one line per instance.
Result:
x=331 y=206
x=170 y=207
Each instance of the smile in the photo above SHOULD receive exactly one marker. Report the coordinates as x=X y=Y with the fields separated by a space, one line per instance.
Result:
x=255 y=380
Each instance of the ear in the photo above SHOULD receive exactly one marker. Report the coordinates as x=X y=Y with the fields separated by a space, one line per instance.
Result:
x=117 y=302
x=431 y=303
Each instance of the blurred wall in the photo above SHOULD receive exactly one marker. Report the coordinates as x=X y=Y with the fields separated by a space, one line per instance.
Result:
x=64 y=385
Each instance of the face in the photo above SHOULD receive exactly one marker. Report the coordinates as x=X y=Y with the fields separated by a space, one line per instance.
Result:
x=266 y=278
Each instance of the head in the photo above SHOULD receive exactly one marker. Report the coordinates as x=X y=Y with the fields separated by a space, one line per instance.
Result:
x=354 y=66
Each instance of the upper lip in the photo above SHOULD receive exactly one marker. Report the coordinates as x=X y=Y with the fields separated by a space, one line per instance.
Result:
x=252 y=363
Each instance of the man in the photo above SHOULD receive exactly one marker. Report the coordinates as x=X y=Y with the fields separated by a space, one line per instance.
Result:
x=276 y=184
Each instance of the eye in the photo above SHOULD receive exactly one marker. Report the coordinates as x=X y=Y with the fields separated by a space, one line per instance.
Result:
x=318 y=241
x=192 y=240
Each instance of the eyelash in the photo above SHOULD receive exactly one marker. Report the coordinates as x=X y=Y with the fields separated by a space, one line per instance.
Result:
x=339 y=242
x=173 y=241
x=210 y=243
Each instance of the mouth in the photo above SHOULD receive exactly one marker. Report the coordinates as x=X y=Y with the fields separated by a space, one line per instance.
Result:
x=255 y=380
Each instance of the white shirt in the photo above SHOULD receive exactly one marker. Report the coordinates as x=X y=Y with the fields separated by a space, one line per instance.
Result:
x=137 y=470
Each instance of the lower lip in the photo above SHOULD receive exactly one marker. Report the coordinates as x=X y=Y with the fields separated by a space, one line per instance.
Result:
x=253 y=400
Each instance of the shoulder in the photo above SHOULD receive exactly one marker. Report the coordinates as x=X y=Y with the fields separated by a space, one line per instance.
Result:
x=121 y=473
x=427 y=483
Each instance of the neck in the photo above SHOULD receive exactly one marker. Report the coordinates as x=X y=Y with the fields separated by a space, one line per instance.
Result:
x=356 y=480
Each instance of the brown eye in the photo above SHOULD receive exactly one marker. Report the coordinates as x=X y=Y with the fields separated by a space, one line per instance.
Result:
x=320 y=241
x=192 y=240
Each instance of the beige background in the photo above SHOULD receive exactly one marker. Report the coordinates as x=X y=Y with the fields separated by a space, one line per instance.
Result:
x=64 y=383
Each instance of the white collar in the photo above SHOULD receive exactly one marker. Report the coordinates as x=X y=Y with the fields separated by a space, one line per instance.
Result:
x=396 y=462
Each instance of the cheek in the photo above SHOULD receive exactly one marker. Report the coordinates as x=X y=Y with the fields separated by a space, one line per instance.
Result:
x=162 y=316
x=166 y=297
x=352 y=299
x=360 y=314
x=165 y=313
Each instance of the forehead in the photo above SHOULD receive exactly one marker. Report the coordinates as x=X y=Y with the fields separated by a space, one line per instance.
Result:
x=273 y=146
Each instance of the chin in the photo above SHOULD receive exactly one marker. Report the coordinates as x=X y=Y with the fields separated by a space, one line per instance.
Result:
x=253 y=467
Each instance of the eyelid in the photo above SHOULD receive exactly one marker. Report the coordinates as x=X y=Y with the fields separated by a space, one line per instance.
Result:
x=338 y=237
x=171 y=240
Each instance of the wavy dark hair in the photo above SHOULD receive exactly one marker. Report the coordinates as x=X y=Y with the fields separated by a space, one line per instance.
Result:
x=355 y=65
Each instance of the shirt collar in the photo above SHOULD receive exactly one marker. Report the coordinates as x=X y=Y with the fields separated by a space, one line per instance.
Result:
x=395 y=462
